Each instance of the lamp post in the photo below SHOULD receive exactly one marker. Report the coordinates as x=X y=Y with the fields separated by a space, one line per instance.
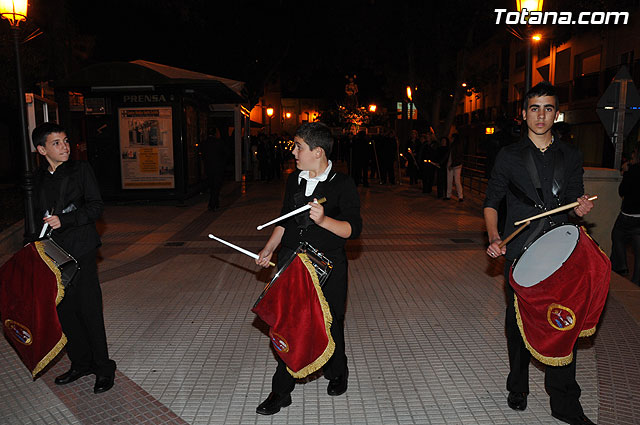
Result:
x=15 y=11
x=529 y=6
x=269 y=114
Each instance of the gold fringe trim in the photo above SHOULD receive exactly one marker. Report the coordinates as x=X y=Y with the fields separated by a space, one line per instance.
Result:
x=53 y=268
x=587 y=332
x=326 y=313
x=50 y=356
x=551 y=361
x=63 y=339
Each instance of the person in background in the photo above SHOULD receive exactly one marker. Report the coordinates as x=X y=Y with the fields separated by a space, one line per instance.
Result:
x=627 y=225
x=454 y=168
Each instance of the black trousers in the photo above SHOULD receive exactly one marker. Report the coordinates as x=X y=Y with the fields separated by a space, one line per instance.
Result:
x=80 y=314
x=427 y=178
x=559 y=381
x=626 y=229
x=335 y=291
x=441 y=179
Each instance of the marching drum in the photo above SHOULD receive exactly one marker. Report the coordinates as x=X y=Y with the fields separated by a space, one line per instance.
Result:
x=298 y=315
x=561 y=283
x=67 y=265
x=321 y=264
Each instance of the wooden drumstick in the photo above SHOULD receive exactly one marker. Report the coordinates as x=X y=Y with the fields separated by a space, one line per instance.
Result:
x=553 y=211
x=289 y=214
x=514 y=234
x=237 y=248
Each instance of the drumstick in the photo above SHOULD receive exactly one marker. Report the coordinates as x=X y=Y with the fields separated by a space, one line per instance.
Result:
x=553 y=211
x=287 y=215
x=242 y=250
x=514 y=234
x=44 y=227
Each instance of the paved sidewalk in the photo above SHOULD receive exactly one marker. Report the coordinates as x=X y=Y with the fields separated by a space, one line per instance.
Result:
x=424 y=327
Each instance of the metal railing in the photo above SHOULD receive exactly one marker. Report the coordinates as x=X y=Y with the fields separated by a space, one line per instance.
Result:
x=473 y=173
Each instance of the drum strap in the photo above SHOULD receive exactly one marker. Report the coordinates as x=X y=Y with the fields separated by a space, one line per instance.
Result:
x=558 y=175
x=299 y=198
x=60 y=204
x=527 y=159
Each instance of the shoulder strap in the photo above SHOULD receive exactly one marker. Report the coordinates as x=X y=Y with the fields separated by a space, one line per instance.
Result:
x=63 y=186
x=530 y=165
x=59 y=204
x=558 y=174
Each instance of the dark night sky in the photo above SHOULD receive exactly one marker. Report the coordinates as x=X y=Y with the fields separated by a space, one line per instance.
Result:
x=310 y=46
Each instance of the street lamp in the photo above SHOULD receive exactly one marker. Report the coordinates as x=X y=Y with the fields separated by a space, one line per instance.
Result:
x=410 y=102
x=15 y=11
x=529 y=6
x=269 y=114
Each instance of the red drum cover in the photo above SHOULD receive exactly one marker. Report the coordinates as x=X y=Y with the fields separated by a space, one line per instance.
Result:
x=30 y=290
x=566 y=305
x=299 y=318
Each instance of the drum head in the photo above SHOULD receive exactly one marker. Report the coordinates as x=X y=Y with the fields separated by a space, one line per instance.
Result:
x=546 y=255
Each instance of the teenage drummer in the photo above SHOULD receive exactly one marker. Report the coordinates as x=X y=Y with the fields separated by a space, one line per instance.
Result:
x=326 y=227
x=69 y=202
x=539 y=173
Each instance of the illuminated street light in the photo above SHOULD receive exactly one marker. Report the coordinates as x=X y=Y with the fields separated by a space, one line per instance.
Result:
x=270 y=114
x=15 y=11
x=409 y=93
x=464 y=84
x=288 y=115
x=372 y=108
x=536 y=37
x=529 y=6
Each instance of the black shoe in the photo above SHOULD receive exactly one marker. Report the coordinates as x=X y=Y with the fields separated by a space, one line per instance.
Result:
x=461 y=200
x=579 y=420
x=337 y=386
x=517 y=401
x=71 y=375
x=103 y=383
x=445 y=198
x=273 y=403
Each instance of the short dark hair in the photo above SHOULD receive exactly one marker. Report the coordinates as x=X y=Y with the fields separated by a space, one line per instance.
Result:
x=316 y=134
x=544 y=88
x=40 y=133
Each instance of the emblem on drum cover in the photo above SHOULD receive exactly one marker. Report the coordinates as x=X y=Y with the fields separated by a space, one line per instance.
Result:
x=19 y=332
x=279 y=342
x=560 y=317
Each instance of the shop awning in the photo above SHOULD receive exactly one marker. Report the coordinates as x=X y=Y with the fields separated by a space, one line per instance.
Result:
x=142 y=75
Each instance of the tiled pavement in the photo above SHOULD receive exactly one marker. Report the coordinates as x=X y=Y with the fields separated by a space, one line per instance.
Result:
x=424 y=326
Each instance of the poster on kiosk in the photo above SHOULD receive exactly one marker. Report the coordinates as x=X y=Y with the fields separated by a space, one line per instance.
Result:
x=146 y=148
